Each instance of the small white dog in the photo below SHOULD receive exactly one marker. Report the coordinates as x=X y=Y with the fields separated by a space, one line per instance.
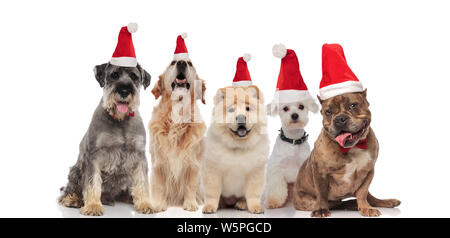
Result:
x=291 y=149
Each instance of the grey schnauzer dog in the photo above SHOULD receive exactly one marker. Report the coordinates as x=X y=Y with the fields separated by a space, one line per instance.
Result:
x=112 y=165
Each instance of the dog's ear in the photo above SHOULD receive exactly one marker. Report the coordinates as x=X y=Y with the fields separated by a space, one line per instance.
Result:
x=254 y=90
x=159 y=87
x=272 y=109
x=99 y=72
x=220 y=95
x=320 y=100
x=145 y=76
x=203 y=91
x=364 y=93
x=199 y=89
x=313 y=106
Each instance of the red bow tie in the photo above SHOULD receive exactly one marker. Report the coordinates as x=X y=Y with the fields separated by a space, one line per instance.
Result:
x=362 y=144
x=130 y=114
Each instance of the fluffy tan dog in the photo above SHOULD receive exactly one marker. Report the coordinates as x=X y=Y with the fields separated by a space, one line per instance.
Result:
x=237 y=147
x=176 y=138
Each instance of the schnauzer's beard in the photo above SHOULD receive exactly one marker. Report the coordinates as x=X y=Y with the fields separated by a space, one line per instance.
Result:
x=112 y=100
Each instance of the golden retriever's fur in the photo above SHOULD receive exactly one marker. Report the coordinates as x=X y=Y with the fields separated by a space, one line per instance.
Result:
x=234 y=166
x=176 y=142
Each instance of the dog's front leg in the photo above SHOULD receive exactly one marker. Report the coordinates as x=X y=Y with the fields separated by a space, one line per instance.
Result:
x=190 y=191
x=321 y=185
x=361 y=197
x=254 y=190
x=212 y=186
x=276 y=188
x=140 y=189
x=92 y=192
x=158 y=189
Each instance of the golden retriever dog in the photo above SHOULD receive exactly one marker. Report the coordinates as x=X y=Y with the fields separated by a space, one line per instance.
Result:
x=176 y=138
x=236 y=151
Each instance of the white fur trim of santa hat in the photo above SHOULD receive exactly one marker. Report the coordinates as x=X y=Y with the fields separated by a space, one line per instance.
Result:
x=124 y=61
x=244 y=83
x=288 y=96
x=181 y=56
x=340 y=88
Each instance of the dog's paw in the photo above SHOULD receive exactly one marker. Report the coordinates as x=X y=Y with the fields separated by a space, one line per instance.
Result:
x=369 y=212
x=94 y=209
x=159 y=207
x=190 y=206
x=143 y=207
x=208 y=209
x=273 y=203
x=256 y=208
x=241 y=205
x=71 y=200
x=321 y=213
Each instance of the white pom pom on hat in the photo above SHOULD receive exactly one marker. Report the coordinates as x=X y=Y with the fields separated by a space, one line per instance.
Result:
x=279 y=50
x=132 y=27
x=184 y=35
x=247 y=57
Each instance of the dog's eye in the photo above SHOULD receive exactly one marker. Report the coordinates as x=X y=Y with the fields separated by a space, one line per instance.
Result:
x=353 y=106
x=247 y=109
x=285 y=109
x=230 y=110
x=173 y=62
x=115 y=75
x=133 y=76
x=328 y=112
x=301 y=107
x=189 y=63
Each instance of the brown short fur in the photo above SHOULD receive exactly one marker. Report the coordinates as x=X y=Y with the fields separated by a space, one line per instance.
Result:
x=328 y=176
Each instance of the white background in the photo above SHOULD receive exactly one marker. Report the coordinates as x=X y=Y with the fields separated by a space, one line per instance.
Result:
x=399 y=50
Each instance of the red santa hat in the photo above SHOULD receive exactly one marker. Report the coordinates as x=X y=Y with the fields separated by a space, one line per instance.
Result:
x=124 y=54
x=181 y=51
x=242 y=77
x=337 y=77
x=290 y=86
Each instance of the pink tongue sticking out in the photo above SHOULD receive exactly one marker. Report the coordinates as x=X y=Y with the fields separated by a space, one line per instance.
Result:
x=122 y=107
x=342 y=138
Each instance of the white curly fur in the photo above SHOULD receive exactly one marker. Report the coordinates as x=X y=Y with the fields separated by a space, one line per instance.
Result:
x=286 y=159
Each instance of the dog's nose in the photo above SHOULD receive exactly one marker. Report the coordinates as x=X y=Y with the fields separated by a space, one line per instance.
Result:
x=294 y=116
x=241 y=119
x=181 y=65
x=340 y=121
x=124 y=90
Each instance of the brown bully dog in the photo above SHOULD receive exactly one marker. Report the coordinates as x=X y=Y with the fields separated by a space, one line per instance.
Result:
x=341 y=164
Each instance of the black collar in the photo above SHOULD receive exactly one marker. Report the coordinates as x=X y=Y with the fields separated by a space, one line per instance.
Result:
x=292 y=141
